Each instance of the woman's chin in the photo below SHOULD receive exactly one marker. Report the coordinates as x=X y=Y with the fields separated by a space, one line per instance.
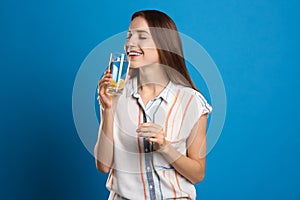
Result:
x=134 y=65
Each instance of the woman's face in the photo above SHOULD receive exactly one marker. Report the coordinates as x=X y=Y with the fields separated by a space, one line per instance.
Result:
x=139 y=46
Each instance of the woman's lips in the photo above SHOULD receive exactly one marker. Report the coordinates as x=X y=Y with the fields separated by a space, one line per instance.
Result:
x=134 y=53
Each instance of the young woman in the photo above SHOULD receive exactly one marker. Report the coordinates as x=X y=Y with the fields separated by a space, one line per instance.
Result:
x=152 y=137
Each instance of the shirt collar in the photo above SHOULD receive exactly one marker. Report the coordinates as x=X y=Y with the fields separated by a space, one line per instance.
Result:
x=167 y=94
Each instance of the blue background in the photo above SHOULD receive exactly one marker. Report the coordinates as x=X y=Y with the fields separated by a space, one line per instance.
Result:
x=255 y=45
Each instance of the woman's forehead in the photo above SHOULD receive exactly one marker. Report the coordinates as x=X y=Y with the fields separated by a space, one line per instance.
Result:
x=138 y=23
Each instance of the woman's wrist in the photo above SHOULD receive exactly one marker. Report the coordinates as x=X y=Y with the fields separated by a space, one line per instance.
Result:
x=169 y=153
x=107 y=113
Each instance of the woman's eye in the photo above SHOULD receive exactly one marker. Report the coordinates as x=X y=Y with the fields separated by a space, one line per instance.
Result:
x=142 y=37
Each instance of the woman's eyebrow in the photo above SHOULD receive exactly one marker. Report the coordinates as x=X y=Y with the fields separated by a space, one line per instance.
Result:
x=142 y=31
x=138 y=31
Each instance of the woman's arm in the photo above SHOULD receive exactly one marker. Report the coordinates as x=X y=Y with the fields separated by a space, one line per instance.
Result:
x=103 y=150
x=192 y=166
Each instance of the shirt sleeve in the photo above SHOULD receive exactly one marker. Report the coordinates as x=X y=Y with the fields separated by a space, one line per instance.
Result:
x=204 y=107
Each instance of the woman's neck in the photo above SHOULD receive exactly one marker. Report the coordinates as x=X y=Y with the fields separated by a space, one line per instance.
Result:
x=152 y=80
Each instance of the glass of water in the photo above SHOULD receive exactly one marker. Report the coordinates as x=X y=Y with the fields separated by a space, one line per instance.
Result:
x=119 y=67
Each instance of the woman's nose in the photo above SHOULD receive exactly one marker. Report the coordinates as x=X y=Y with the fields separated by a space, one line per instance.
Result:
x=132 y=40
x=129 y=44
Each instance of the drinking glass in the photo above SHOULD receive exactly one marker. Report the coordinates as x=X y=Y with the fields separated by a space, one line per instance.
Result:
x=119 y=67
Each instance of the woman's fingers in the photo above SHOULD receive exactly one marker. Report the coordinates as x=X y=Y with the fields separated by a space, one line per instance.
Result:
x=148 y=129
x=103 y=97
x=150 y=124
x=105 y=78
x=158 y=139
x=103 y=83
x=153 y=133
x=107 y=71
x=147 y=134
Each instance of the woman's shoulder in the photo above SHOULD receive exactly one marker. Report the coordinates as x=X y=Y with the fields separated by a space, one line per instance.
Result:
x=188 y=90
x=196 y=97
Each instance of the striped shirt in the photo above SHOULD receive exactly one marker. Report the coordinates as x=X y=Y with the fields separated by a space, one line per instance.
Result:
x=138 y=172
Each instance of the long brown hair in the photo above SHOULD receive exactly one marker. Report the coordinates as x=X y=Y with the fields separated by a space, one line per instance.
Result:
x=167 y=40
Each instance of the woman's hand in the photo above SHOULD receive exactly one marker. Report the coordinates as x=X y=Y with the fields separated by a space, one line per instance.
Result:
x=153 y=133
x=104 y=98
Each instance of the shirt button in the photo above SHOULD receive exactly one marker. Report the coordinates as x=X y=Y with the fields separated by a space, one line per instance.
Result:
x=151 y=187
x=146 y=150
x=148 y=169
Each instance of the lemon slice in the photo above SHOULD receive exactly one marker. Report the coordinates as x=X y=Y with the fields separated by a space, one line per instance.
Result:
x=113 y=84
x=121 y=84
